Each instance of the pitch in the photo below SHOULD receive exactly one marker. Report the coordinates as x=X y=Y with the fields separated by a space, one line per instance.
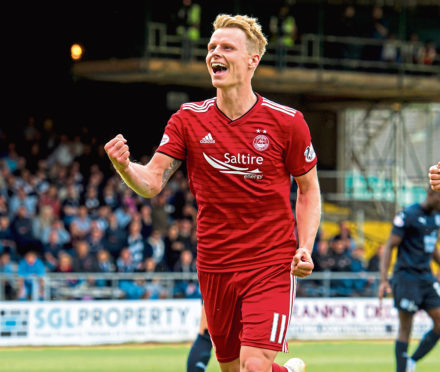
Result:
x=338 y=356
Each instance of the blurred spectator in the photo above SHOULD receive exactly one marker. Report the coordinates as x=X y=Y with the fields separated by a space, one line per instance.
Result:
x=377 y=29
x=115 y=237
x=81 y=224
x=188 y=26
x=154 y=289
x=374 y=261
x=428 y=53
x=50 y=198
x=51 y=250
x=320 y=256
x=159 y=212
x=284 y=32
x=62 y=155
x=348 y=25
x=155 y=241
x=91 y=201
x=21 y=198
x=390 y=50
x=7 y=242
x=110 y=196
x=21 y=228
x=411 y=50
x=83 y=260
x=58 y=226
x=106 y=265
x=42 y=221
x=358 y=266
x=345 y=235
x=146 y=220
x=95 y=238
x=340 y=261
x=7 y=268
x=70 y=205
x=125 y=264
x=173 y=246
x=30 y=271
x=137 y=245
x=186 y=288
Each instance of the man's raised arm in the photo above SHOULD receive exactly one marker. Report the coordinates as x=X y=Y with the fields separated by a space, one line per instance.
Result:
x=146 y=180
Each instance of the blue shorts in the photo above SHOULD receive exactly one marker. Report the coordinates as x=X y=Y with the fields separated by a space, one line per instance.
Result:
x=413 y=295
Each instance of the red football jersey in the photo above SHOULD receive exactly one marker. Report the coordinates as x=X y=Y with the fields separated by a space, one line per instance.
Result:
x=239 y=172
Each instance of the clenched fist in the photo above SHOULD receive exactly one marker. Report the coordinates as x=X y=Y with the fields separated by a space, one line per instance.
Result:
x=302 y=264
x=118 y=152
x=434 y=177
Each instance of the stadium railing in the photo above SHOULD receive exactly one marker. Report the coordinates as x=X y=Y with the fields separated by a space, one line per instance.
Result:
x=312 y=51
x=70 y=286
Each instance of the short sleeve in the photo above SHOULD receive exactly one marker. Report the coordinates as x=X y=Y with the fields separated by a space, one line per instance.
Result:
x=300 y=155
x=173 y=140
x=400 y=222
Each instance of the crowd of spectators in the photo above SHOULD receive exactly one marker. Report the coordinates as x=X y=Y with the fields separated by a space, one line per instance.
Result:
x=63 y=209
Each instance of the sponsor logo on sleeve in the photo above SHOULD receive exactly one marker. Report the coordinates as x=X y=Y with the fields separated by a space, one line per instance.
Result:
x=165 y=139
x=309 y=154
x=399 y=220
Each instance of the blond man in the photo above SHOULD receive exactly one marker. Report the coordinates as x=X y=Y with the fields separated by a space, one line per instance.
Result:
x=241 y=150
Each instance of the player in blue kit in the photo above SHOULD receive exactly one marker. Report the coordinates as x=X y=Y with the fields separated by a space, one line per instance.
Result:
x=414 y=286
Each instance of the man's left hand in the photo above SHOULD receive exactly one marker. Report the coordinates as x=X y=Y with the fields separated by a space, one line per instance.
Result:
x=302 y=263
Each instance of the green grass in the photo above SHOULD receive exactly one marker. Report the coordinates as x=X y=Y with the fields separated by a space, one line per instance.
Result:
x=338 y=356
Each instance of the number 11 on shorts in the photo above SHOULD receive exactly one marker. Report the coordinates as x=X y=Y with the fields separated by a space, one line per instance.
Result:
x=273 y=333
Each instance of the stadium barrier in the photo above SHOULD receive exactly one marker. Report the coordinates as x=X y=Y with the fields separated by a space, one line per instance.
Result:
x=116 y=322
x=71 y=286
x=312 y=51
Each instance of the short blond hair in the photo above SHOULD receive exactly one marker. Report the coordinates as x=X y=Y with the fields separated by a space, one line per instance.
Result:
x=256 y=40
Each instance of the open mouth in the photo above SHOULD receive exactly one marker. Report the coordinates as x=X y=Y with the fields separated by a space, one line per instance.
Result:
x=218 y=67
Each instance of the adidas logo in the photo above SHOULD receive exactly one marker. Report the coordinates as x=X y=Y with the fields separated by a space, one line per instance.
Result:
x=207 y=139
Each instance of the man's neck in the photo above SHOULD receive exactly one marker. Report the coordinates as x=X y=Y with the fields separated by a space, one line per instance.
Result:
x=234 y=103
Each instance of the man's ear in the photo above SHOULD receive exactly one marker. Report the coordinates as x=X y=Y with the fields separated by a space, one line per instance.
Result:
x=253 y=61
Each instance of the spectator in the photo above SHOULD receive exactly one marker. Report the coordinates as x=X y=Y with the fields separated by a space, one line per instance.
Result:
x=7 y=268
x=173 y=246
x=115 y=237
x=125 y=264
x=188 y=18
x=70 y=205
x=21 y=228
x=377 y=30
x=52 y=249
x=20 y=198
x=345 y=235
x=349 y=26
x=83 y=260
x=81 y=224
x=30 y=271
x=42 y=221
x=428 y=53
x=411 y=50
x=137 y=245
x=358 y=266
x=110 y=197
x=96 y=238
x=340 y=261
x=155 y=241
x=321 y=256
x=186 y=288
x=58 y=226
x=146 y=221
x=284 y=32
x=106 y=265
x=154 y=289
x=159 y=212
x=7 y=242
x=50 y=198
x=91 y=201
x=374 y=261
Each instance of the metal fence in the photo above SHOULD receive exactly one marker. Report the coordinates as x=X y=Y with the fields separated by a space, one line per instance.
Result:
x=77 y=286
x=312 y=51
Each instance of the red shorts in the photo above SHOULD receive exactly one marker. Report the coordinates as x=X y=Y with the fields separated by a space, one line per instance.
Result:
x=248 y=308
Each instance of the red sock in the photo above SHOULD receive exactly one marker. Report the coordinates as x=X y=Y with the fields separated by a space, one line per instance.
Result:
x=278 y=368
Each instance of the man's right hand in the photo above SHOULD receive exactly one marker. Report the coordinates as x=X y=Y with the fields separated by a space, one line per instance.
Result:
x=384 y=289
x=118 y=152
x=434 y=177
